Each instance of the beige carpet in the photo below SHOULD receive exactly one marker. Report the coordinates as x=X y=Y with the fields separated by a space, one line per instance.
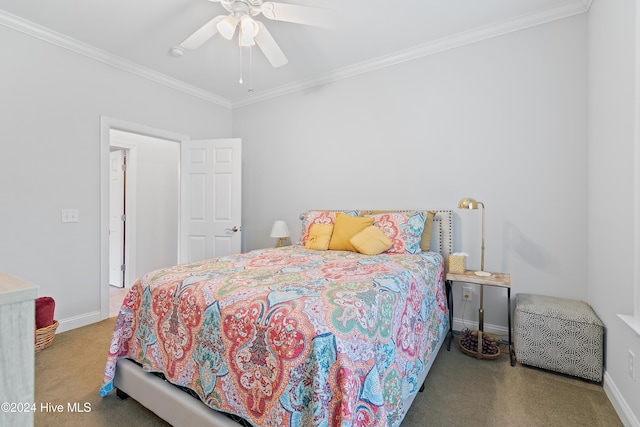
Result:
x=460 y=391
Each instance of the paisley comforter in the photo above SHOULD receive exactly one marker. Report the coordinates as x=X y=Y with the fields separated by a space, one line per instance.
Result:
x=289 y=336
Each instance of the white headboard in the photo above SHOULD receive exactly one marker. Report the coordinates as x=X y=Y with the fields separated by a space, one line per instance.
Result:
x=442 y=237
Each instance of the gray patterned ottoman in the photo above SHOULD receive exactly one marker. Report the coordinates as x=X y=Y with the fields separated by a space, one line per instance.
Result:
x=559 y=334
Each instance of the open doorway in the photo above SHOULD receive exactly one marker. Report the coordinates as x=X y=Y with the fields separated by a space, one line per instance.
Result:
x=205 y=173
x=144 y=206
x=150 y=206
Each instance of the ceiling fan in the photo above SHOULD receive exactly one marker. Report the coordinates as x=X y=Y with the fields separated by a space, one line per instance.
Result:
x=252 y=32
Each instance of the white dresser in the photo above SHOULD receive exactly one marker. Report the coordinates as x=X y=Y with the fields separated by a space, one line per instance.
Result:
x=17 y=319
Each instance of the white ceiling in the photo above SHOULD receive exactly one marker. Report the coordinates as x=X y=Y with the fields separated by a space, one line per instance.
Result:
x=137 y=35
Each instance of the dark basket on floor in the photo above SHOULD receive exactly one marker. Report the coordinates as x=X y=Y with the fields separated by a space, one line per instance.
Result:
x=44 y=336
x=476 y=350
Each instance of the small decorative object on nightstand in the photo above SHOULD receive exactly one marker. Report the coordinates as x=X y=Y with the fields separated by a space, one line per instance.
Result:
x=457 y=261
x=280 y=231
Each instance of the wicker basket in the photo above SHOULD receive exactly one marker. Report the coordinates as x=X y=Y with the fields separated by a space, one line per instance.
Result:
x=477 y=352
x=44 y=336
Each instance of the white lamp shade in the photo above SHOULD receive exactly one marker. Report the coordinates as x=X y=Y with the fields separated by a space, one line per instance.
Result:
x=249 y=26
x=227 y=27
x=244 y=40
x=279 y=230
x=248 y=30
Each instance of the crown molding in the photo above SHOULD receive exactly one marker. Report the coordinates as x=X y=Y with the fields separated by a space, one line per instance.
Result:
x=572 y=8
x=50 y=36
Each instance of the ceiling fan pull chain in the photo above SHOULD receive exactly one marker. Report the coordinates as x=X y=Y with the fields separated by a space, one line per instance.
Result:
x=240 y=65
x=250 y=69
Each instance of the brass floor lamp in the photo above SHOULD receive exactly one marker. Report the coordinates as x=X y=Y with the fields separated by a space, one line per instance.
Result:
x=469 y=203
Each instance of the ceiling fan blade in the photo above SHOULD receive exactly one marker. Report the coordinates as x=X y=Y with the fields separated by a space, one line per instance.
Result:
x=315 y=16
x=269 y=47
x=203 y=34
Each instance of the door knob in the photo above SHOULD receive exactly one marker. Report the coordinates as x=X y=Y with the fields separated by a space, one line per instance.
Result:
x=234 y=229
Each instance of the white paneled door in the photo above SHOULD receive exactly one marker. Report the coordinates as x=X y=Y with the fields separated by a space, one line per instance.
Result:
x=210 y=200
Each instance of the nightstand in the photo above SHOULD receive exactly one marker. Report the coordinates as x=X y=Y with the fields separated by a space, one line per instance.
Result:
x=501 y=280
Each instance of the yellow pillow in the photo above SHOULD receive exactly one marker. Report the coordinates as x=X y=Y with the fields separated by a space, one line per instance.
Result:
x=319 y=237
x=345 y=228
x=371 y=241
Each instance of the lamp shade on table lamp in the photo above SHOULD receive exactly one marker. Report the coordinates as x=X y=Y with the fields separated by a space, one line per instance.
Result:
x=280 y=231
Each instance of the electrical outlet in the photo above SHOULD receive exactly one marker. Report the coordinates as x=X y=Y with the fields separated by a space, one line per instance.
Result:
x=70 y=215
x=632 y=359
x=467 y=293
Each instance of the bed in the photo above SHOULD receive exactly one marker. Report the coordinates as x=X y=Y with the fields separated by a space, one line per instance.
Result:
x=291 y=335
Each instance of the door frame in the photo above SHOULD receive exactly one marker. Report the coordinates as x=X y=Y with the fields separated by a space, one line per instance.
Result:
x=106 y=125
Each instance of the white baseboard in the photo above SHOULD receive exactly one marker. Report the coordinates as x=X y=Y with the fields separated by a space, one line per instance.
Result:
x=78 y=321
x=502 y=331
x=621 y=406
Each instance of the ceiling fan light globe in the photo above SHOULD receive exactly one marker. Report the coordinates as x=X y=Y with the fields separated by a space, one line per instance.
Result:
x=227 y=27
x=245 y=39
x=249 y=26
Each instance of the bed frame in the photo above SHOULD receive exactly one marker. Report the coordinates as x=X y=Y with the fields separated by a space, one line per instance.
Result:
x=180 y=408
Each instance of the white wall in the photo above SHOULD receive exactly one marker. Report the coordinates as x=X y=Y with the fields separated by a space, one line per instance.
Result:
x=502 y=120
x=612 y=82
x=51 y=103
x=158 y=203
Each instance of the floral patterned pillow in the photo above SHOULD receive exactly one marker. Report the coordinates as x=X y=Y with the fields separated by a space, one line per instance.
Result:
x=319 y=217
x=403 y=228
